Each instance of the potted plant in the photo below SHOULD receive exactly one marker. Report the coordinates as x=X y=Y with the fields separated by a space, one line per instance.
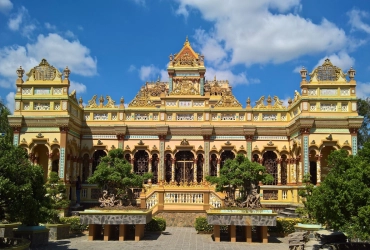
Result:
x=56 y=191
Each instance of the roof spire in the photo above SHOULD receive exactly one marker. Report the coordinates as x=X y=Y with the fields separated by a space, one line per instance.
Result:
x=186 y=41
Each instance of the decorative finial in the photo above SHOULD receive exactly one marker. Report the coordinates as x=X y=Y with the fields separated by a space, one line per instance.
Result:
x=248 y=102
x=158 y=79
x=303 y=73
x=186 y=41
x=329 y=137
x=214 y=78
x=20 y=72
x=351 y=73
x=122 y=101
x=290 y=101
x=80 y=101
x=66 y=72
x=269 y=100
x=101 y=99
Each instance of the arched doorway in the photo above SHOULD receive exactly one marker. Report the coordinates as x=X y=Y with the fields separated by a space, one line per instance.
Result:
x=213 y=165
x=313 y=167
x=141 y=163
x=98 y=154
x=168 y=167
x=269 y=161
x=284 y=170
x=184 y=171
x=41 y=158
x=200 y=168
x=325 y=152
x=227 y=154
x=155 y=161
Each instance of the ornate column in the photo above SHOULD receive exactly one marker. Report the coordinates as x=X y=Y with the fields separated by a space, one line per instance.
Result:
x=80 y=167
x=62 y=157
x=16 y=133
x=218 y=166
x=132 y=164
x=195 y=170
x=279 y=171
x=90 y=167
x=150 y=165
x=74 y=168
x=50 y=162
x=121 y=140
x=353 y=132
x=249 y=139
x=305 y=161
x=318 y=169
x=288 y=178
x=206 y=169
x=173 y=169
x=294 y=170
x=298 y=165
x=32 y=158
x=161 y=167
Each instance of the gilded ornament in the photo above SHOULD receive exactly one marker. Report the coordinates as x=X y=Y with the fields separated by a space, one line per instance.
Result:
x=228 y=100
x=260 y=103
x=185 y=87
x=142 y=99
x=92 y=103
x=110 y=103
x=327 y=72
x=278 y=103
x=73 y=95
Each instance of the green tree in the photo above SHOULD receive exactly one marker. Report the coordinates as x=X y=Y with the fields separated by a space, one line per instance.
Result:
x=240 y=173
x=363 y=109
x=305 y=194
x=4 y=124
x=114 y=175
x=56 y=191
x=342 y=201
x=22 y=191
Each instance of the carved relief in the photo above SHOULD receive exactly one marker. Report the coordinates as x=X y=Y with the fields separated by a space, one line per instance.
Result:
x=110 y=103
x=185 y=87
x=92 y=103
x=260 y=103
x=327 y=72
x=228 y=100
x=44 y=72
x=142 y=99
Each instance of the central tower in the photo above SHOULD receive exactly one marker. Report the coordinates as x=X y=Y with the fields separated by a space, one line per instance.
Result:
x=186 y=72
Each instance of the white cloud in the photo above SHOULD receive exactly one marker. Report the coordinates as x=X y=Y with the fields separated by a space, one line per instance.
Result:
x=363 y=90
x=264 y=31
x=79 y=87
x=69 y=34
x=80 y=27
x=75 y=55
x=5 y=6
x=131 y=68
x=298 y=69
x=355 y=20
x=50 y=26
x=16 y=19
x=210 y=47
x=233 y=79
x=341 y=60
x=10 y=102
x=139 y=2
x=149 y=73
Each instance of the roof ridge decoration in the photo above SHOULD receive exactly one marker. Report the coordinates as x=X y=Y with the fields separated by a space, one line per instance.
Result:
x=92 y=103
x=184 y=87
x=157 y=89
x=142 y=99
x=110 y=103
x=327 y=72
x=73 y=95
x=44 y=72
x=278 y=103
x=260 y=103
x=228 y=100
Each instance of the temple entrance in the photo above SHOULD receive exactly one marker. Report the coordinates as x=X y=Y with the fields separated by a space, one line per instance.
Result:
x=184 y=171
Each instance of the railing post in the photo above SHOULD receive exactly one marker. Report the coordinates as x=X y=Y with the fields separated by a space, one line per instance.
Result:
x=142 y=199
x=206 y=205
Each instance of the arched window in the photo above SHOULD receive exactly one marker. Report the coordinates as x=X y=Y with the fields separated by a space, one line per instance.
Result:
x=141 y=162
x=155 y=161
x=269 y=161
x=168 y=167
x=227 y=154
x=213 y=165
x=313 y=167
x=200 y=168
x=98 y=154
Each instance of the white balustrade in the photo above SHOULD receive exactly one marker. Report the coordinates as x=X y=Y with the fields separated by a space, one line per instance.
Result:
x=183 y=198
x=152 y=201
x=214 y=201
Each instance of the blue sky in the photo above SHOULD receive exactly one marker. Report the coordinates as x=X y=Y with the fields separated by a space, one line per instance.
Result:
x=113 y=47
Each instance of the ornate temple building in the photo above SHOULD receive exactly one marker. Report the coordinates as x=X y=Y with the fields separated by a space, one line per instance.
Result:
x=185 y=129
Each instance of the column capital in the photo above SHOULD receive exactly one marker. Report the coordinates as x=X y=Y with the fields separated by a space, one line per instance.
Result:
x=64 y=129
x=120 y=136
x=353 y=131
x=318 y=157
x=162 y=137
x=206 y=137
x=305 y=130
x=249 y=137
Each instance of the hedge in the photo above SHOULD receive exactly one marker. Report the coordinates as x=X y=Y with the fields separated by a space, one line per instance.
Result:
x=285 y=225
x=156 y=224
x=201 y=225
x=76 y=226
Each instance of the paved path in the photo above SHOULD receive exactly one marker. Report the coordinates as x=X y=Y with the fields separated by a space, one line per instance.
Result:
x=174 y=238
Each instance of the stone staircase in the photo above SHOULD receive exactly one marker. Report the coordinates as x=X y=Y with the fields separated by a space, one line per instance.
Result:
x=289 y=212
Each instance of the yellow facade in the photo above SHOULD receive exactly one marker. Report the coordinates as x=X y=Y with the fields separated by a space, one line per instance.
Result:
x=184 y=129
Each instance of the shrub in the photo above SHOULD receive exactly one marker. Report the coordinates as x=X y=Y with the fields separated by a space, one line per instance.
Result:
x=156 y=224
x=285 y=225
x=74 y=221
x=201 y=224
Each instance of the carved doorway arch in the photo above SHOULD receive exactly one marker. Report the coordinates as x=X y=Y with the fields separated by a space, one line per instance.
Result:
x=270 y=163
x=184 y=171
